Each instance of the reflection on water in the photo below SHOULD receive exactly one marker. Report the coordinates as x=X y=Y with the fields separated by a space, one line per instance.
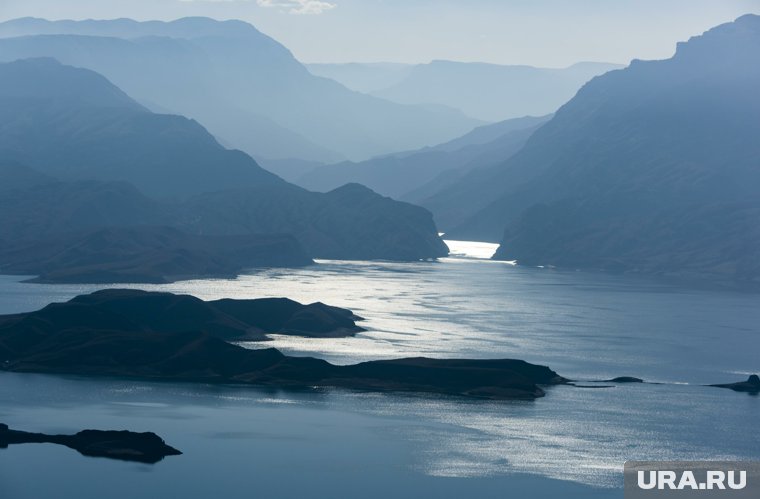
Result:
x=242 y=443
x=401 y=445
x=585 y=326
x=471 y=249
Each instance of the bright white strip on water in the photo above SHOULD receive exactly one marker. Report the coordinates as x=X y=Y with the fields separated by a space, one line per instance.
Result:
x=471 y=249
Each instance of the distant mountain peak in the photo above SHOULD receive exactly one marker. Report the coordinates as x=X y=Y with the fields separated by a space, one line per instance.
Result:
x=26 y=78
x=247 y=88
x=739 y=38
x=650 y=169
x=492 y=92
x=185 y=27
x=353 y=190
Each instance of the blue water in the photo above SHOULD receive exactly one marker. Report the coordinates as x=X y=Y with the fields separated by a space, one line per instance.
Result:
x=571 y=443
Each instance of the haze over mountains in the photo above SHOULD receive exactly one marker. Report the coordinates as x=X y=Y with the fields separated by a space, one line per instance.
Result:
x=80 y=126
x=365 y=77
x=147 y=254
x=410 y=175
x=488 y=92
x=652 y=168
x=77 y=155
x=244 y=86
x=512 y=96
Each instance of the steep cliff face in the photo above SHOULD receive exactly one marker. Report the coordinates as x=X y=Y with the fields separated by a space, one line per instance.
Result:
x=652 y=168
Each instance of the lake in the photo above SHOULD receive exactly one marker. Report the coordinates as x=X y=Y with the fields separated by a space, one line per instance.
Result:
x=244 y=442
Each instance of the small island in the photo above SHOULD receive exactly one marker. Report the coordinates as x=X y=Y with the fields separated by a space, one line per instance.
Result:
x=146 y=448
x=162 y=336
x=752 y=385
x=624 y=379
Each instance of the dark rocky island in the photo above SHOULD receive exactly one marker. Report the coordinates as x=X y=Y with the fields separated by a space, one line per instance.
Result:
x=162 y=336
x=752 y=385
x=123 y=445
x=129 y=311
x=624 y=379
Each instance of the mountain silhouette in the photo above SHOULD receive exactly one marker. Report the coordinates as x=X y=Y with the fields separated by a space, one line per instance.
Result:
x=147 y=254
x=75 y=124
x=363 y=77
x=244 y=86
x=401 y=175
x=653 y=168
x=78 y=154
x=492 y=92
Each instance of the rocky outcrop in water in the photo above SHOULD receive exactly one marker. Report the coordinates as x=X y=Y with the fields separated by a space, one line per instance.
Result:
x=162 y=336
x=624 y=379
x=128 y=311
x=752 y=385
x=123 y=445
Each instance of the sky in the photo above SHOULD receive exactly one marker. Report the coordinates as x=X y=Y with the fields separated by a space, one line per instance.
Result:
x=548 y=33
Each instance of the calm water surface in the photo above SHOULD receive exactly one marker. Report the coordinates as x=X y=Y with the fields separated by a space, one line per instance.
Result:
x=246 y=442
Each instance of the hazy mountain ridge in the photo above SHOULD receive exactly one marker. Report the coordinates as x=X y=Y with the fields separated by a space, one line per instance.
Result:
x=147 y=254
x=85 y=152
x=349 y=223
x=171 y=62
x=486 y=134
x=493 y=92
x=344 y=223
x=363 y=77
x=652 y=168
x=83 y=127
x=187 y=27
x=201 y=69
x=36 y=206
x=401 y=175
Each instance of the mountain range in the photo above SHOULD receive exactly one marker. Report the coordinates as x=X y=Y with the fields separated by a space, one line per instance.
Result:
x=77 y=155
x=409 y=175
x=248 y=89
x=653 y=168
x=147 y=254
x=488 y=92
x=81 y=126
x=364 y=77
